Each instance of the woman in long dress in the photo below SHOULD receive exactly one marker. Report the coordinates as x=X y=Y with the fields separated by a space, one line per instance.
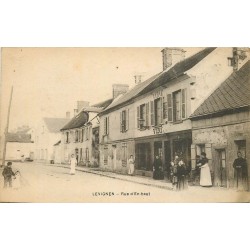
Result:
x=205 y=175
x=73 y=163
x=131 y=165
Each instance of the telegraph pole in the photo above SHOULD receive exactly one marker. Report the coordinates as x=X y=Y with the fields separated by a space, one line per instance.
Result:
x=7 y=128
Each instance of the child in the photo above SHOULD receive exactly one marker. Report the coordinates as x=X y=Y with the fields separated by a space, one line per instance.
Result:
x=7 y=174
x=17 y=180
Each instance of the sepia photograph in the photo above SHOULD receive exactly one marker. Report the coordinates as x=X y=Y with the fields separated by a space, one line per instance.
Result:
x=142 y=124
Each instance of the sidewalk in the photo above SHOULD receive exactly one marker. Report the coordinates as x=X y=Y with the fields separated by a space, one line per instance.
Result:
x=134 y=179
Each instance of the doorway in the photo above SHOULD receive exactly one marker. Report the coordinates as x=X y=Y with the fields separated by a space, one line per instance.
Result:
x=168 y=159
x=143 y=159
x=220 y=168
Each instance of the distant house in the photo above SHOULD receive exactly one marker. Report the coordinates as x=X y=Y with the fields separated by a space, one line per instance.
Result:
x=47 y=134
x=20 y=146
x=221 y=126
x=80 y=136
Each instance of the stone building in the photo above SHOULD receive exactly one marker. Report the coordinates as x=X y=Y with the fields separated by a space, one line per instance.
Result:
x=153 y=117
x=221 y=125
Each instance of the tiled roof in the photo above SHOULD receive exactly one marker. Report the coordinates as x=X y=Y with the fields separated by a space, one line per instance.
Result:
x=162 y=77
x=18 y=137
x=77 y=122
x=233 y=93
x=55 y=124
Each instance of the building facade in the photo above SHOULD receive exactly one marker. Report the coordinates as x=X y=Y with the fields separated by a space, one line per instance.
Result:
x=153 y=117
x=81 y=135
x=221 y=126
x=20 y=146
x=47 y=133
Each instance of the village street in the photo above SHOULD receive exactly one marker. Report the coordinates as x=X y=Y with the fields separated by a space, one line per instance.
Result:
x=48 y=183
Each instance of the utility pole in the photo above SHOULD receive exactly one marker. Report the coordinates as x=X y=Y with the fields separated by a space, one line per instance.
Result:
x=7 y=128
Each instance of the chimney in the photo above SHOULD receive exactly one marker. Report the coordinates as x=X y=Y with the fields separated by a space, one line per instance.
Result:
x=171 y=56
x=239 y=55
x=68 y=115
x=119 y=89
x=81 y=105
x=138 y=79
x=75 y=112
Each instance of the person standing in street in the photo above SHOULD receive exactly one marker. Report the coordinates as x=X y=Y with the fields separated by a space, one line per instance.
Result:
x=240 y=173
x=73 y=163
x=131 y=165
x=157 y=169
x=7 y=174
x=205 y=175
x=181 y=176
x=174 y=166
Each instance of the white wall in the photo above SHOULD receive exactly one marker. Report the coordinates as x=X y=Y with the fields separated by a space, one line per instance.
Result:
x=12 y=148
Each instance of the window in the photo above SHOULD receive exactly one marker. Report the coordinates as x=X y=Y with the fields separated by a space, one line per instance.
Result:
x=158 y=111
x=67 y=137
x=183 y=103
x=87 y=133
x=200 y=148
x=124 y=154
x=76 y=136
x=165 y=109
x=105 y=152
x=223 y=159
x=80 y=160
x=177 y=106
x=124 y=120
x=143 y=116
x=87 y=154
x=82 y=135
x=170 y=107
x=106 y=125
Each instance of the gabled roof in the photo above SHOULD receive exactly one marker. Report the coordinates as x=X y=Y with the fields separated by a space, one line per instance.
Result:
x=77 y=122
x=55 y=124
x=232 y=94
x=18 y=137
x=162 y=78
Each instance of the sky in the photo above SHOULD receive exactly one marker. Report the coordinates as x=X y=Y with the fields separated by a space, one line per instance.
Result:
x=48 y=82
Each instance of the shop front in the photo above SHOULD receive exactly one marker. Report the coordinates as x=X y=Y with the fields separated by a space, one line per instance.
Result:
x=165 y=146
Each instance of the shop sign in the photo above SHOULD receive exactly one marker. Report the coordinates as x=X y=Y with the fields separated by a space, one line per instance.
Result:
x=157 y=130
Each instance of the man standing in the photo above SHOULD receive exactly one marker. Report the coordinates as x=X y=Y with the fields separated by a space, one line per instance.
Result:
x=240 y=173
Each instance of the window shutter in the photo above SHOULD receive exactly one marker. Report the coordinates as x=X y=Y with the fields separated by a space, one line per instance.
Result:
x=105 y=126
x=183 y=103
x=161 y=110
x=165 y=108
x=193 y=156
x=152 y=115
x=121 y=121
x=147 y=114
x=127 y=119
x=170 y=107
x=138 y=117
